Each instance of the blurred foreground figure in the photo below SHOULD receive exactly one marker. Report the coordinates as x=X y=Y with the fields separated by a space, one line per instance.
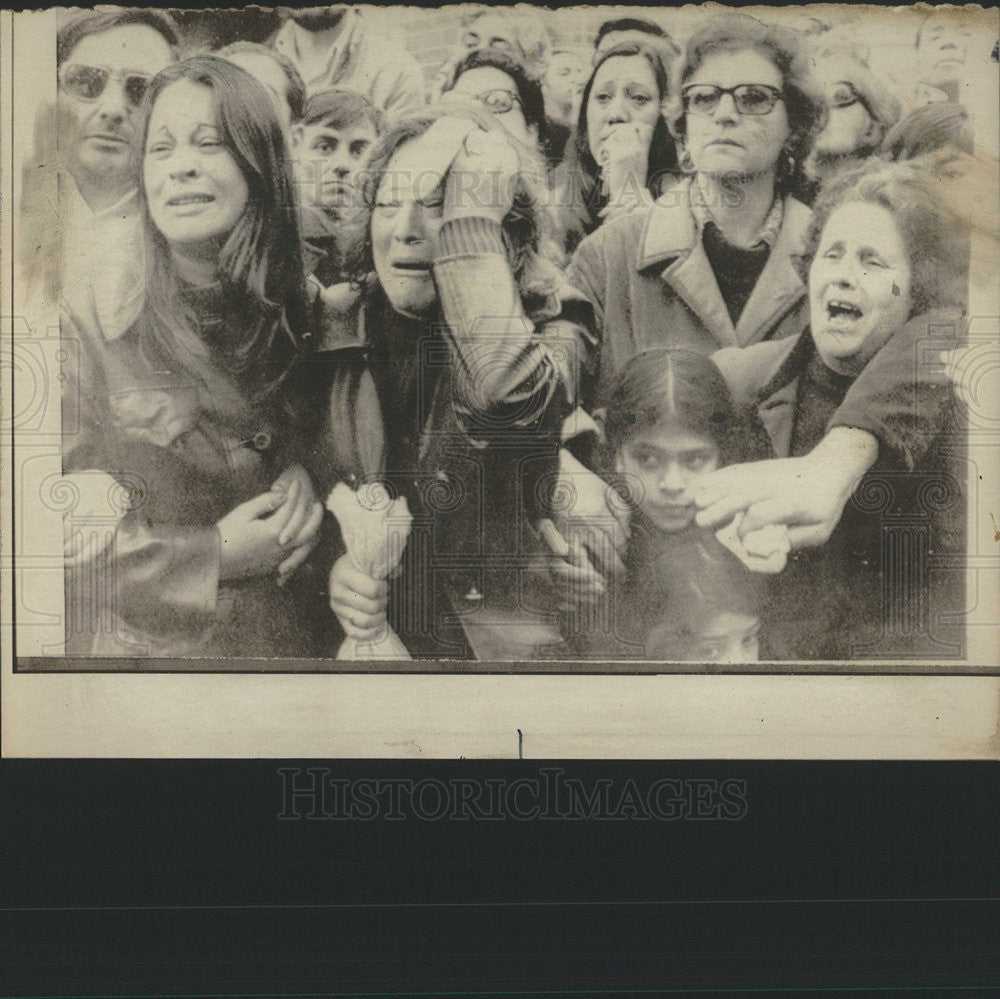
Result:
x=81 y=197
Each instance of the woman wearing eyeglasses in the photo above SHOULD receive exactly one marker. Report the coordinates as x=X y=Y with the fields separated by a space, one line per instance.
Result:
x=496 y=82
x=860 y=111
x=194 y=407
x=620 y=154
x=711 y=263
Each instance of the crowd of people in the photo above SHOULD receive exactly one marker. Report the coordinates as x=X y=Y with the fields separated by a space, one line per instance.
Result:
x=617 y=352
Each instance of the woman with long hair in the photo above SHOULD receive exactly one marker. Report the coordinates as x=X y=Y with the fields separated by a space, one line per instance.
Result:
x=454 y=391
x=191 y=405
x=620 y=153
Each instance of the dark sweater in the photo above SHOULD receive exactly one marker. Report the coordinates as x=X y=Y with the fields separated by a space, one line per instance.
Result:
x=736 y=268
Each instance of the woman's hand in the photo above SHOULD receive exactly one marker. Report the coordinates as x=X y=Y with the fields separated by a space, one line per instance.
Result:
x=570 y=574
x=482 y=176
x=475 y=169
x=358 y=600
x=301 y=532
x=806 y=494
x=251 y=532
x=589 y=534
x=625 y=160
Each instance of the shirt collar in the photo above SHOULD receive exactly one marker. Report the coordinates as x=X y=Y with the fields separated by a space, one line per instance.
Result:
x=79 y=209
x=767 y=235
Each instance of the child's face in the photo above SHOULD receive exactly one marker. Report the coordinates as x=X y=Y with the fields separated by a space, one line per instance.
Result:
x=730 y=637
x=663 y=464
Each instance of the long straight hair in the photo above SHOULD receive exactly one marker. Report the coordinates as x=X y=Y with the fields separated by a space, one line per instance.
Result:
x=260 y=263
x=578 y=176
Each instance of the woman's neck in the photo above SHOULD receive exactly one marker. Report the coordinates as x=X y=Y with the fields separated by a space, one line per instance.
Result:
x=738 y=203
x=196 y=265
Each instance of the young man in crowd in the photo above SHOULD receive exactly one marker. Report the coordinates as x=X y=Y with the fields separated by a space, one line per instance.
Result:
x=337 y=132
x=333 y=48
x=942 y=45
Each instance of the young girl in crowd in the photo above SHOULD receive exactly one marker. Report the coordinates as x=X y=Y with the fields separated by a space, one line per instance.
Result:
x=670 y=420
x=710 y=612
x=620 y=153
x=190 y=405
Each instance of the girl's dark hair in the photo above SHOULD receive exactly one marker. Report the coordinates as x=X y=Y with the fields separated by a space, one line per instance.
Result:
x=804 y=103
x=524 y=230
x=578 y=177
x=685 y=388
x=628 y=24
x=928 y=129
x=528 y=90
x=260 y=263
x=935 y=245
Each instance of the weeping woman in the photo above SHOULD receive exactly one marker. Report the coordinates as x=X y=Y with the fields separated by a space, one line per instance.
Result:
x=189 y=404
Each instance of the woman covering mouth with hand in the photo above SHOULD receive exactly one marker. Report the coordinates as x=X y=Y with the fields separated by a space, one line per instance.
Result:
x=620 y=154
x=191 y=408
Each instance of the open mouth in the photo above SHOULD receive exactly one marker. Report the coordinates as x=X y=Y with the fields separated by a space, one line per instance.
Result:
x=415 y=268
x=190 y=199
x=839 y=309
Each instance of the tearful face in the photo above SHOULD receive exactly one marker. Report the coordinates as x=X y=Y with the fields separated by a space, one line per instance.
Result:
x=859 y=286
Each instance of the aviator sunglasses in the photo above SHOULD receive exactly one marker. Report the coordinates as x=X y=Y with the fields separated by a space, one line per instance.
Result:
x=88 y=83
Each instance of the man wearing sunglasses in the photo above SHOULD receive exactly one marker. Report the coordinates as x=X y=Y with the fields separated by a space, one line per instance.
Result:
x=105 y=61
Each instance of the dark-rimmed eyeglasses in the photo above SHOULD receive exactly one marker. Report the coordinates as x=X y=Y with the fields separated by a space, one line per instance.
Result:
x=88 y=83
x=844 y=96
x=749 y=98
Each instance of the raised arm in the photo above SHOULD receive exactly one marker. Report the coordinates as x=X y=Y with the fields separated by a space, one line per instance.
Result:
x=506 y=376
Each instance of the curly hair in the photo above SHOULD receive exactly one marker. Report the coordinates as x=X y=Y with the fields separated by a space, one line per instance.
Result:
x=804 y=104
x=525 y=229
x=935 y=245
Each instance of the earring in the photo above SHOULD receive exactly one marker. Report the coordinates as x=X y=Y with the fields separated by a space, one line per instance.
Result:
x=787 y=165
x=685 y=162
